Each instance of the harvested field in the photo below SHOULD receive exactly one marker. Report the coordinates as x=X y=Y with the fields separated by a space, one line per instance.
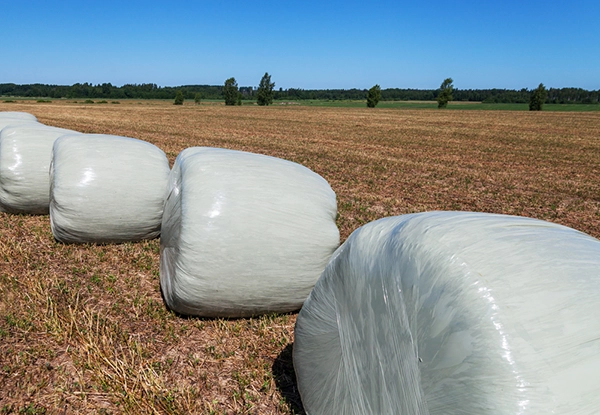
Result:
x=83 y=328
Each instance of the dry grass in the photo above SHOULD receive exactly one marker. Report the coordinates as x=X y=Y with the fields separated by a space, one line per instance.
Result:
x=83 y=328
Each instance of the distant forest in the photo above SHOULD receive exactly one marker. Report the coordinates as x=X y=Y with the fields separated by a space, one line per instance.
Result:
x=212 y=92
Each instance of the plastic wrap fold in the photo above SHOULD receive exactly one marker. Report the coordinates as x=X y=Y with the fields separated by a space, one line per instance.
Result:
x=25 y=154
x=454 y=313
x=243 y=233
x=106 y=189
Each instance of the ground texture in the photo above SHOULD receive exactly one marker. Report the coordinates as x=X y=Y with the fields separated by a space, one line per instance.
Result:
x=83 y=328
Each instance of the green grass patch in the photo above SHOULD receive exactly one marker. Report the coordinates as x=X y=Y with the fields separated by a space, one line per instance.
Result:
x=571 y=107
x=326 y=103
x=453 y=105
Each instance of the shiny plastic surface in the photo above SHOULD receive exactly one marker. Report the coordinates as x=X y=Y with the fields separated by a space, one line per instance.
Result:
x=454 y=313
x=243 y=234
x=25 y=154
x=106 y=189
x=15 y=118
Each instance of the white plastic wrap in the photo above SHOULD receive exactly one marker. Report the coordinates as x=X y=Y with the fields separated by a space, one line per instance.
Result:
x=243 y=233
x=454 y=313
x=106 y=189
x=25 y=154
x=14 y=117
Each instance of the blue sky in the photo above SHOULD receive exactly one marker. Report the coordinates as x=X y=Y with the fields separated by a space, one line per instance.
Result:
x=306 y=44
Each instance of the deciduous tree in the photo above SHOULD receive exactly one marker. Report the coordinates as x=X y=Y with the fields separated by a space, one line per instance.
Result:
x=264 y=94
x=178 y=97
x=231 y=93
x=445 y=93
x=373 y=96
x=538 y=97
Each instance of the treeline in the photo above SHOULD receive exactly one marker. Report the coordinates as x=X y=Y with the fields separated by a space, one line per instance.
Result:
x=109 y=91
x=555 y=95
x=215 y=92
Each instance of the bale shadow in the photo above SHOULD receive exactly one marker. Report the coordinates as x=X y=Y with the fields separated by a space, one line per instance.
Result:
x=285 y=380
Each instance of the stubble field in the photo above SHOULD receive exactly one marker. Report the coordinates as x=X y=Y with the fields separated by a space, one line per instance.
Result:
x=83 y=328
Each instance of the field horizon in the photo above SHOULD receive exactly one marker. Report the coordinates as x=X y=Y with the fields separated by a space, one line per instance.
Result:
x=334 y=103
x=83 y=328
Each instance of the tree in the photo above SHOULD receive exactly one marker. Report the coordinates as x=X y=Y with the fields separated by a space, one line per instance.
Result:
x=445 y=93
x=231 y=93
x=197 y=98
x=373 y=96
x=538 y=97
x=178 y=98
x=264 y=95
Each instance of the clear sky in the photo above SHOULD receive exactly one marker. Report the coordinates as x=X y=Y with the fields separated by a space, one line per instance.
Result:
x=305 y=44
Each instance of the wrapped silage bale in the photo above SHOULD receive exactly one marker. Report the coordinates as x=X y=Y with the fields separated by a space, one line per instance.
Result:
x=454 y=313
x=15 y=117
x=243 y=233
x=25 y=154
x=106 y=188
